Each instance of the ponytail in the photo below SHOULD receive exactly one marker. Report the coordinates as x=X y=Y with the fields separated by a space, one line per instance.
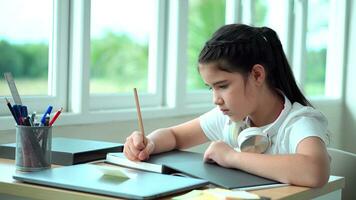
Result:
x=281 y=75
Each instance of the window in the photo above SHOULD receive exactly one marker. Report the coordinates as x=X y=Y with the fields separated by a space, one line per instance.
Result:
x=119 y=45
x=24 y=40
x=316 y=47
x=273 y=14
x=314 y=39
x=123 y=53
x=304 y=36
x=261 y=12
x=35 y=43
x=87 y=55
x=204 y=18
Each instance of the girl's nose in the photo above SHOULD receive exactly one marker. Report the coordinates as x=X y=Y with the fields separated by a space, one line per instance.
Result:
x=217 y=100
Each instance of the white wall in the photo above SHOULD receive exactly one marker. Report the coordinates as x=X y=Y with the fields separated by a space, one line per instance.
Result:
x=333 y=110
x=113 y=131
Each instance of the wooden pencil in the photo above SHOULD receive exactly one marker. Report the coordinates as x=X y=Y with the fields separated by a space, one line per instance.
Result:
x=139 y=116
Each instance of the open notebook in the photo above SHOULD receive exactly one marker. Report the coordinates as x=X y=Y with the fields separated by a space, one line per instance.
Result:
x=121 y=160
x=89 y=178
x=192 y=164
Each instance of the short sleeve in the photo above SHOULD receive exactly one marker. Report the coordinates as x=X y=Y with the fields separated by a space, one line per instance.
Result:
x=213 y=123
x=307 y=127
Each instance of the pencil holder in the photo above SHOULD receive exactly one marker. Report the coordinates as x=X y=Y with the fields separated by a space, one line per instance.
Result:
x=33 y=148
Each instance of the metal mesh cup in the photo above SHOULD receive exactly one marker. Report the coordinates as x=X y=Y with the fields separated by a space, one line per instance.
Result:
x=33 y=147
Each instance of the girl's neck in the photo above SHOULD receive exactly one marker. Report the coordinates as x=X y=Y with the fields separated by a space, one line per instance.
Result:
x=268 y=109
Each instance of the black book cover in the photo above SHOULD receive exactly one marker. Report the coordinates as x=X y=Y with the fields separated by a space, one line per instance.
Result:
x=192 y=164
x=70 y=151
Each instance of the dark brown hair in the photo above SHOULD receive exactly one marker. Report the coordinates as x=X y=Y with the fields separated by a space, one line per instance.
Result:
x=238 y=47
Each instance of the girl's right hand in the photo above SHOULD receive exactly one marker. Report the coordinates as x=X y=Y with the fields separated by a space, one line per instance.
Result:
x=138 y=148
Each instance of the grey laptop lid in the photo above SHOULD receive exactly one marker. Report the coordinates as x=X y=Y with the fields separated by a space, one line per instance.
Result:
x=192 y=164
x=87 y=178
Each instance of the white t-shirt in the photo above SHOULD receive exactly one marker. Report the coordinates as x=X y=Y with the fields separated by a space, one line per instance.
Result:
x=295 y=123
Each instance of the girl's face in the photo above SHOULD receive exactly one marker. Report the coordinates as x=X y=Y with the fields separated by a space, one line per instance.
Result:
x=235 y=96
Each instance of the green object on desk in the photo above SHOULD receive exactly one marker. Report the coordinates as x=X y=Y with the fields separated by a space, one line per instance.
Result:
x=113 y=171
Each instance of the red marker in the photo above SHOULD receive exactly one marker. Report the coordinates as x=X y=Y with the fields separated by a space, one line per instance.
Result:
x=55 y=116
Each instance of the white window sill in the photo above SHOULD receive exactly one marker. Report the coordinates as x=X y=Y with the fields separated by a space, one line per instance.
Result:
x=7 y=122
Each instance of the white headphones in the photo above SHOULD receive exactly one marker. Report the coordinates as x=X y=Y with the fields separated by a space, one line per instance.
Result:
x=258 y=140
x=253 y=140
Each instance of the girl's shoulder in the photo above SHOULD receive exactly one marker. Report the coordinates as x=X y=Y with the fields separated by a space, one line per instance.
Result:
x=213 y=123
x=214 y=116
x=302 y=122
x=213 y=113
x=299 y=111
x=295 y=114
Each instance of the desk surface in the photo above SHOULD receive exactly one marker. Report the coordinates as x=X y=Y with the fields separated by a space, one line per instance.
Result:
x=12 y=187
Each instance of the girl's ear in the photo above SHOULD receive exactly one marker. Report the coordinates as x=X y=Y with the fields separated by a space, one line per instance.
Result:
x=258 y=74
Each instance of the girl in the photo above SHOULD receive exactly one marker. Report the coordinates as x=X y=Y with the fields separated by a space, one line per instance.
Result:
x=262 y=123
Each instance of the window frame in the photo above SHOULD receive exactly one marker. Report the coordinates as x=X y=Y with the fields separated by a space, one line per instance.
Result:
x=69 y=59
x=336 y=49
x=154 y=95
x=57 y=67
x=238 y=11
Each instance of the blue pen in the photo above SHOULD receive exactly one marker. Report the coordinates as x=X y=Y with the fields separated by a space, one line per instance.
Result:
x=24 y=112
x=43 y=119
x=17 y=112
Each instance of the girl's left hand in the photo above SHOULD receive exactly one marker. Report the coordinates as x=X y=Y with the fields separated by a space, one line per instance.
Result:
x=220 y=153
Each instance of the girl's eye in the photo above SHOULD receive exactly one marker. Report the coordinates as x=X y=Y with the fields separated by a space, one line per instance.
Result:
x=223 y=86
x=218 y=87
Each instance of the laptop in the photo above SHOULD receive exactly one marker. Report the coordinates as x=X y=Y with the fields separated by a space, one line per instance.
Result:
x=88 y=178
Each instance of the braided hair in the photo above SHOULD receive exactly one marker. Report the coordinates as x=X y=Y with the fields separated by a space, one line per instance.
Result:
x=238 y=47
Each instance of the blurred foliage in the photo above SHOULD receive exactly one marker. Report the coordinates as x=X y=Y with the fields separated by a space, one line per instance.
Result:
x=316 y=66
x=24 y=60
x=260 y=12
x=119 y=62
x=205 y=17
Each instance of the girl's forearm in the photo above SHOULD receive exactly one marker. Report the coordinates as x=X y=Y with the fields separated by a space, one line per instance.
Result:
x=163 y=139
x=296 y=169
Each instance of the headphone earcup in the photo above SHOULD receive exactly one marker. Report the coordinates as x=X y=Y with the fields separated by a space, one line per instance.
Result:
x=253 y=140
x=246 y=133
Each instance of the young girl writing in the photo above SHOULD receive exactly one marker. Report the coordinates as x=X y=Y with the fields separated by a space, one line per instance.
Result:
x=262 y=123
